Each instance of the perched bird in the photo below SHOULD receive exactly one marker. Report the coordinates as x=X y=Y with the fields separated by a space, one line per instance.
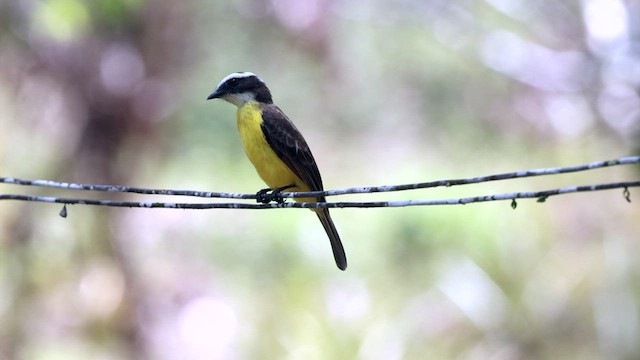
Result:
x=276 y=148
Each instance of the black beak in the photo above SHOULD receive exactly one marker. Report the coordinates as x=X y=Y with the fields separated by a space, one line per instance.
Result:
x=215 y=95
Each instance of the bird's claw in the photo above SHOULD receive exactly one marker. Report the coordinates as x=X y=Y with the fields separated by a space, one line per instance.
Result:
x=267 y=195
x=264 y=196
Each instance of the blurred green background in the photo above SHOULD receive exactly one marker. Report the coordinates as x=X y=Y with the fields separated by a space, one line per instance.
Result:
x=113 y=92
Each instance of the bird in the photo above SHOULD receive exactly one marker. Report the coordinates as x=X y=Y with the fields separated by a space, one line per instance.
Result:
x=276 y=148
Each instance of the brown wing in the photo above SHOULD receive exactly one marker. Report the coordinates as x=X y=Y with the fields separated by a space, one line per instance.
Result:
x=287 y=142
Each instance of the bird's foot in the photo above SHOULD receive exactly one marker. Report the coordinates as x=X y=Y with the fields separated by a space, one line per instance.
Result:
x=267 y=195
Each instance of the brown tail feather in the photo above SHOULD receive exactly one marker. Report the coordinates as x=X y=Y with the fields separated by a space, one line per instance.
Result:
x=334 y=238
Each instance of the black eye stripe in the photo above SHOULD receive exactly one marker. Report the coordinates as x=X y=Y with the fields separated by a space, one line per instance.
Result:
x=242 y=84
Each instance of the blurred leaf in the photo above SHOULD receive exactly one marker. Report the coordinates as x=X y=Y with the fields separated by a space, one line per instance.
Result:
x=62 y=20
x=117 y=12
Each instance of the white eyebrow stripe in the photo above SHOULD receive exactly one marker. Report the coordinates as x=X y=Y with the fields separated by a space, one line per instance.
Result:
x=238 y=75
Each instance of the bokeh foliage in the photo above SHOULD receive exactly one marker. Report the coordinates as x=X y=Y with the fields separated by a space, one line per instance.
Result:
x=112 y=91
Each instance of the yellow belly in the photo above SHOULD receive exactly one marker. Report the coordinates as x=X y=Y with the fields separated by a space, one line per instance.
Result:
x=271 y=169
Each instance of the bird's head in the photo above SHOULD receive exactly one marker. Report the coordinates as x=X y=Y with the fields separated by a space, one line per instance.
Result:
x=241 y=87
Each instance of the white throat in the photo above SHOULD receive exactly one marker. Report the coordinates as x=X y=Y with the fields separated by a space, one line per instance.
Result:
x=239 y=99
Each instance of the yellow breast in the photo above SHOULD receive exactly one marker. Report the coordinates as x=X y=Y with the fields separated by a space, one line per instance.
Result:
x=271 y=169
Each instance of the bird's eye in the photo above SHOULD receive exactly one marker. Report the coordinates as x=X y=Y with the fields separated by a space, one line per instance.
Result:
x=233 y=82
